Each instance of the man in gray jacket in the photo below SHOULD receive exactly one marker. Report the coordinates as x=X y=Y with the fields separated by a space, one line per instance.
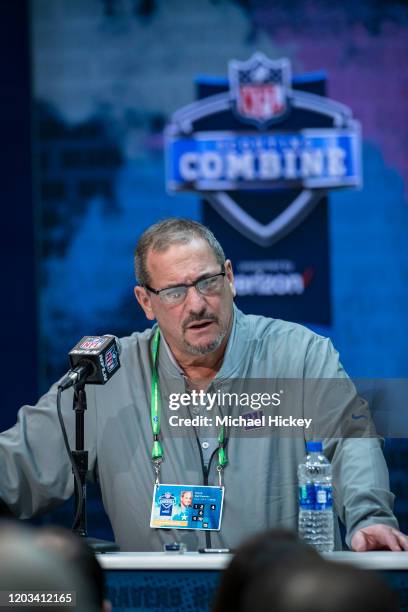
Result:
x=201 y=343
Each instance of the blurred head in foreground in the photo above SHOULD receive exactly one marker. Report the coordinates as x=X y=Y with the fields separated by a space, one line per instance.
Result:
x=324 y=587
x=267 y=550
x=74 y=551
x=277 y=572
x=26 y=566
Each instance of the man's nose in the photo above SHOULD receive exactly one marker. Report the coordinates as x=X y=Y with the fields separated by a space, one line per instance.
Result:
x=195 y=301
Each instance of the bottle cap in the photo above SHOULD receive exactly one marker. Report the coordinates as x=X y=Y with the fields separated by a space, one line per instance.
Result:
x=314 y=447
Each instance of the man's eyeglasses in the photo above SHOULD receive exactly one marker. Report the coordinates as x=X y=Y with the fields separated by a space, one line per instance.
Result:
x=210 y=285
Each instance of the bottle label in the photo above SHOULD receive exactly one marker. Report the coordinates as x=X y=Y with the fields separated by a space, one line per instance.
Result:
x=315 y=497
x=307 y=496
x=324 y=497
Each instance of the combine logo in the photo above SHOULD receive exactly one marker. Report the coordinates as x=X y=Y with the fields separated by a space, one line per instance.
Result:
x=300 y=143
x=167 y=502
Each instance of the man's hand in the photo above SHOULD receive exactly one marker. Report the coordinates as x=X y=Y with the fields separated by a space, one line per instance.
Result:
x=379 y=537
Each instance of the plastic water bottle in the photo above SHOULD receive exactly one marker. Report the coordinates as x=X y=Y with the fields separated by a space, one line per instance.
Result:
x=315 y=499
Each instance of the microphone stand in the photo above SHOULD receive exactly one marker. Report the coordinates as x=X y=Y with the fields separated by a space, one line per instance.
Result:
x=80 y=456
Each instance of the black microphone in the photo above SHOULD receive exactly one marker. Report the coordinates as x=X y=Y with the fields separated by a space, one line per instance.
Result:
x=94 y=360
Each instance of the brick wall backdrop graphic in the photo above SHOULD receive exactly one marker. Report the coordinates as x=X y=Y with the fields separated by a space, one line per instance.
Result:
x=99 y=164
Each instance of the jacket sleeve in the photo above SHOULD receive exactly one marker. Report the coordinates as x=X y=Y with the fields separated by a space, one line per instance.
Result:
x=35 y=472
x=343 y=421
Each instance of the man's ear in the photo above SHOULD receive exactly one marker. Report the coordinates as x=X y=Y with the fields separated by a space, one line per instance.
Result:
x=230 y=276
x=143 y=297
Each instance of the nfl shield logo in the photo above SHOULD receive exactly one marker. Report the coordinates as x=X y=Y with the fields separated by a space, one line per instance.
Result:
x=92 y=343
x=111 y=359
x=260 y=89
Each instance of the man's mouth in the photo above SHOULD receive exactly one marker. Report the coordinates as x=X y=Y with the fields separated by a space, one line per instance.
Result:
x=201 y=325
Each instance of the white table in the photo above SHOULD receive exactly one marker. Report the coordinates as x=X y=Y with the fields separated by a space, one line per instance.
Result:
x=377 y=560
x=139 y=581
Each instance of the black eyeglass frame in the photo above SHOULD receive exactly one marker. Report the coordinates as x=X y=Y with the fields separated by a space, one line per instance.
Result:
x=199 y=280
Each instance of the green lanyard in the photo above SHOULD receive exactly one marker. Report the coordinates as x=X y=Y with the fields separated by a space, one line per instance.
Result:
x=157 y=451
x=155 y=414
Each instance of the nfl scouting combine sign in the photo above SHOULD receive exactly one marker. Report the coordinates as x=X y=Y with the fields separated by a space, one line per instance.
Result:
x=263 y=150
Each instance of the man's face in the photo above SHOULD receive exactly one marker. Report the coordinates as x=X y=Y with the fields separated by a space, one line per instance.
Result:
x=187 y=498
x=200 y=323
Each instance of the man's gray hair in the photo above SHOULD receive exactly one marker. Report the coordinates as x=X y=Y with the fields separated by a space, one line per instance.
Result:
x=160 y=236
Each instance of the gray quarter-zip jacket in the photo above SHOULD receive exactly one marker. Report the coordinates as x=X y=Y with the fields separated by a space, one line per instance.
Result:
x=261 y=476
